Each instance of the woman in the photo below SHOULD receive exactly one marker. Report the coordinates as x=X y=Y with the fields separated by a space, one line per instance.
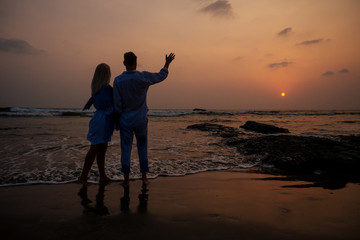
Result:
x=101 y=125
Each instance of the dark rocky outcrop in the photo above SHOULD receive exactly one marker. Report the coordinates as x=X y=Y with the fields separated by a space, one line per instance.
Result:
x=216 y=129
x=199 y=110
x=5 y=109
x=306 y=154
x=263 y=128
x=328 y=162
x=211 y=127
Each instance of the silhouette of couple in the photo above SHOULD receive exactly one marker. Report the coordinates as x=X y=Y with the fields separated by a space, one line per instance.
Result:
x=122 y=107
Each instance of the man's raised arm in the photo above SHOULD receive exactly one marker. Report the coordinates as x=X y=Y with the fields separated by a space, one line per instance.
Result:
x=168 y=60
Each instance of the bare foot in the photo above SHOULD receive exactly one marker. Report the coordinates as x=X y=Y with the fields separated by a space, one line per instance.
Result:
x=83 y=181
x=126 y=182
x=146 y=182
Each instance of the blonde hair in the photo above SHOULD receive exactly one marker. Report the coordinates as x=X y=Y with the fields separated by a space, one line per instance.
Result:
x=101 y=77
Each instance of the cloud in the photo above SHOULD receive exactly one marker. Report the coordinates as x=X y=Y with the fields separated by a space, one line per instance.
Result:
x=280 y=64
x=285 y=31
x=327 y=74
x=220 y=8
x=18 y=46
x=238 y=58
x=345 y=70
x=310 y=42
x=330 y=73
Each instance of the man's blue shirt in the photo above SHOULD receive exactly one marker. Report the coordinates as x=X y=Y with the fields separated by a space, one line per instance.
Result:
x=130 y=90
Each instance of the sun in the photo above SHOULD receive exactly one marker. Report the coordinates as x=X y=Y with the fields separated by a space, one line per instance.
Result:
x=283 y=94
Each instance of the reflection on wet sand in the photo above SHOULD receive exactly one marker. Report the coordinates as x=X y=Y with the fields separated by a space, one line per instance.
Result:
x=125 y=200
x=143 y=200
x=330 y=182
x=100 y=208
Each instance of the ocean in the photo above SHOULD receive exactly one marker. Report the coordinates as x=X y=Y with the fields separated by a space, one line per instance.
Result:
x=48 y=146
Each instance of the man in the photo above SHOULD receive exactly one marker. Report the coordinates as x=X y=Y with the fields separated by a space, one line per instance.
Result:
x=130 y=90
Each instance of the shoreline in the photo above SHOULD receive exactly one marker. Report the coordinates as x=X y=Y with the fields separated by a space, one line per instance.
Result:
x=53 y=149
x=229 y=204
x=331 y=182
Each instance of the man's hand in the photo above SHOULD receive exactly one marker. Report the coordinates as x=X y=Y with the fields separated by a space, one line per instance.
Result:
x=169 y=59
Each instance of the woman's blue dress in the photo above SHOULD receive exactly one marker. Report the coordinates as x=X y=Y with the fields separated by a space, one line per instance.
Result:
x=101 y=125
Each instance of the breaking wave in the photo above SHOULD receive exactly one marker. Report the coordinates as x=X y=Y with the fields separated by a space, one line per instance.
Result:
x=48 y=112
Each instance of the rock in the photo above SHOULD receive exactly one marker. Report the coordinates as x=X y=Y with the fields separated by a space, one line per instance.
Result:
x=216 y=129
x=294 y=153
x=263 y=128
x=329 y=163
x=305 y=154
x=70 y=114
x=199 y=110
x=5 y=109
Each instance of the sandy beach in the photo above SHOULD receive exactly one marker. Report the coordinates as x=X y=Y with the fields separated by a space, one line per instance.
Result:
x=233 y=204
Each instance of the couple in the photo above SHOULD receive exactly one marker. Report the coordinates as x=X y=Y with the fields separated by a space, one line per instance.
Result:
x=128 y=101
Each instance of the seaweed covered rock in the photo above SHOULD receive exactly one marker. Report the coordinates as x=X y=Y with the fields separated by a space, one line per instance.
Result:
x=306 y=154
x=216 y=129
x=328 y=162
x=263 y=128
x=294 y=153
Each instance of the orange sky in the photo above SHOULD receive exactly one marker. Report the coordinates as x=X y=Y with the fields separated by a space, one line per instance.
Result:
x=230 y=54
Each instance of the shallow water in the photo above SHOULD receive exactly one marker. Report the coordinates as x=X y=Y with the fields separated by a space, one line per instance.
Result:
x=51 y=149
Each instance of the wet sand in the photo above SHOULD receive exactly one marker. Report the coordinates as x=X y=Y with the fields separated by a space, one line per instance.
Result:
x=213 y=205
